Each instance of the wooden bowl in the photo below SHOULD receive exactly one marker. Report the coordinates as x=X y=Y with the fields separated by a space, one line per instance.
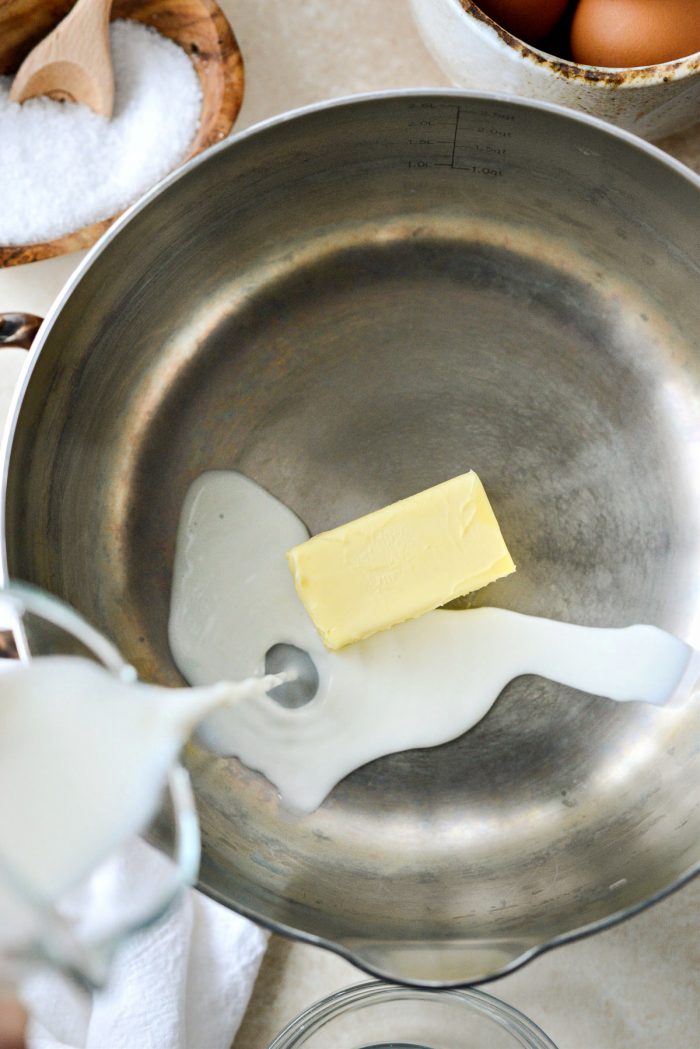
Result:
x=198 y=26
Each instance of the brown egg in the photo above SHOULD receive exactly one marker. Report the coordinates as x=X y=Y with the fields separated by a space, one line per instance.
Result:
x=527 y=19
x=634 y=32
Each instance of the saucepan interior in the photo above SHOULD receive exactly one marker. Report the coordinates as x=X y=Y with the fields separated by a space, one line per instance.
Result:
x=348 y=306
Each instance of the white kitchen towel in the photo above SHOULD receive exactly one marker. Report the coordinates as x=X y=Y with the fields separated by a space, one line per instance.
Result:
x=183 y=984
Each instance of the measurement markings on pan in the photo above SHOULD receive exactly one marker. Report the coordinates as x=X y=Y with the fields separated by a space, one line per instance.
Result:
x=445 y=135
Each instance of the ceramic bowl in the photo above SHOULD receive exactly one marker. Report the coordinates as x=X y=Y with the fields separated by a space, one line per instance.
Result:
x=475 y=52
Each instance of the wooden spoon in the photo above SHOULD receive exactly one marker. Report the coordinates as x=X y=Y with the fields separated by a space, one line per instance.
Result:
x=73 y=63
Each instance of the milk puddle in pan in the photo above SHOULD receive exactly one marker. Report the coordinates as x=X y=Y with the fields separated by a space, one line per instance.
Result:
x=418 y=684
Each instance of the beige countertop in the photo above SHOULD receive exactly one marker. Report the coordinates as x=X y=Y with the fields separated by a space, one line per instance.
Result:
x=633 y=986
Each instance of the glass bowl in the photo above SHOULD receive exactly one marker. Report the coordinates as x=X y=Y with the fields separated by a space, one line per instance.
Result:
x=378 y=1015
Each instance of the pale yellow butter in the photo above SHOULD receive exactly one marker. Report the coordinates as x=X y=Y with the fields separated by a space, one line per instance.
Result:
x=400 y=562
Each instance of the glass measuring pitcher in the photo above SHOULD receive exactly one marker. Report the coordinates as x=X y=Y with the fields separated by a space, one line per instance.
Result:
x=35 y=930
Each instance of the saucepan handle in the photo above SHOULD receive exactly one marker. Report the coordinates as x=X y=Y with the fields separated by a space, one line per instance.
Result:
x=17 y=330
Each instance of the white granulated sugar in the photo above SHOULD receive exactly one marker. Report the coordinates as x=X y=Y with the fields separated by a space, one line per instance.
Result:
x=64 y=166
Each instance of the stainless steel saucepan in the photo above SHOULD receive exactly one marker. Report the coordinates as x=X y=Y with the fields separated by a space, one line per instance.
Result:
x=349 y=305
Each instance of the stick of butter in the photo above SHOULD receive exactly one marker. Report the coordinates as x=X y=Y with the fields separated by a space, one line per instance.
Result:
x=400 y=562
